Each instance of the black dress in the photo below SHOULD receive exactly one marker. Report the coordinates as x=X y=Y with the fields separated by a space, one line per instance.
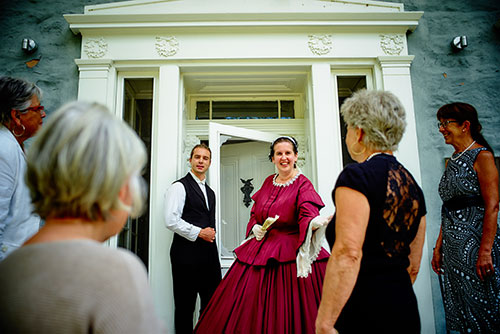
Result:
x=383 y=300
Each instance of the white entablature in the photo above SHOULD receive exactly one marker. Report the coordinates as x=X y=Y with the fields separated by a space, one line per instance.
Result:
x=144 y=14
x=238 y=29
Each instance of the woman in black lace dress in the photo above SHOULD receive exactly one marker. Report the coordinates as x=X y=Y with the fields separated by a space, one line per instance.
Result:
x=467 y=252
x=379 y=227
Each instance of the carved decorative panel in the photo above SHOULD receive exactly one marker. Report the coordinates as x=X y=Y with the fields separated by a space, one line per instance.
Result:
x=189 y=143
x=167 y=46
x=392 y=45
x=303 y=151
x=320 y=44
x=96 y=47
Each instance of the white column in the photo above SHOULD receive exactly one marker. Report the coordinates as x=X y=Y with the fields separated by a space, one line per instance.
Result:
x=165 y=154
x=325 y=144
x=97 y=81
x=396 y=78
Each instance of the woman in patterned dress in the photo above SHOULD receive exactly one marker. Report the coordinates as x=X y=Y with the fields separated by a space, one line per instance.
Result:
x=467 y=251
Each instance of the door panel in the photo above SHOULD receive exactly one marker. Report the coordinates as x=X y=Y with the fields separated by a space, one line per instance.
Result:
x=237 y=153
x=239 y=162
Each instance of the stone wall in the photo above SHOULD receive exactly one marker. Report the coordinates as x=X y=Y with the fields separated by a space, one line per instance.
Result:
x=439 y=75
x=55 y=71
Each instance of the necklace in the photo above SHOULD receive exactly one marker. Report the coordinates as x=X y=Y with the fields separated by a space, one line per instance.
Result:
x=287 y=183
x=453 y=159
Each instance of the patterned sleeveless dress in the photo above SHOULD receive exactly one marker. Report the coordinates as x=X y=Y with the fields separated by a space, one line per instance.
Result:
x=471 y=305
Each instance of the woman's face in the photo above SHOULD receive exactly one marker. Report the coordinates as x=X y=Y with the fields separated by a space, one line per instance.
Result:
x=32 y=118
x=451 y=130
x=284 y=157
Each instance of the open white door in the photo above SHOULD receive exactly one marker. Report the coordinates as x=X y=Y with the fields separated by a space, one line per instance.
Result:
x=244 y=157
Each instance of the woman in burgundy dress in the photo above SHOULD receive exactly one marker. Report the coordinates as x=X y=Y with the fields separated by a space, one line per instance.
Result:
x=275 y=283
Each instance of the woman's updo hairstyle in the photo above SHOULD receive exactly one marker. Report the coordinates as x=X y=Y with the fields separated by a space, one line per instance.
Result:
x=380 y=114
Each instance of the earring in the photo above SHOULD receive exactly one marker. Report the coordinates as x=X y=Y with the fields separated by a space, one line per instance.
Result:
x=357 y=153
x=20 y=134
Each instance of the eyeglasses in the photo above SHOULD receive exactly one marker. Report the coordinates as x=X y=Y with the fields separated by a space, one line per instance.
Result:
x=445 y=124
x=38 y=109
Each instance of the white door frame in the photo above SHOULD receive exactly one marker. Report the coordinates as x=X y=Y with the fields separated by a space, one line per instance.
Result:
x=218 y=134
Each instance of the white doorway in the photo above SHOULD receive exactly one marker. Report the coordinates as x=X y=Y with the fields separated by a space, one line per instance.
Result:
x=237 y=154
x=244 y=167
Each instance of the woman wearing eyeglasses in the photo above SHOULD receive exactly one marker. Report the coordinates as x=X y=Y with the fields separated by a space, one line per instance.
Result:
x=467 y=252
x=21 y=115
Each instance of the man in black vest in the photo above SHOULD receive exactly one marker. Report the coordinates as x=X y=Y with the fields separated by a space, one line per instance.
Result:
x=190 y=213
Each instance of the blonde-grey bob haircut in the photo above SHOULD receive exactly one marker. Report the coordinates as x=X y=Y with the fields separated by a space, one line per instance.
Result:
x=379 y=114
x=80 y=160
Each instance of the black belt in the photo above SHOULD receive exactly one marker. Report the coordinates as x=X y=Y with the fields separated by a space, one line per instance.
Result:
x=463 y=202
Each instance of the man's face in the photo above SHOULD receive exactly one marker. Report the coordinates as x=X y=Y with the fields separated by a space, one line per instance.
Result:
x=200 y=161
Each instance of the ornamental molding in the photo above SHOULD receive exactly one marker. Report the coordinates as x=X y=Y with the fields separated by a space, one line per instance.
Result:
x=392 y=44
x=96 y=47
x=320 y=44
x=167 y=46
x=303 y=151
x=189 y=142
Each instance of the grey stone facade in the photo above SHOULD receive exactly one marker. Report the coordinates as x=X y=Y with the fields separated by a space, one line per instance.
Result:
x=439 y=75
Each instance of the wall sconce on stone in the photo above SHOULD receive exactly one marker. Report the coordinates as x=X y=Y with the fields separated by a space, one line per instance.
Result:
x=29 y=46
x=459 y=43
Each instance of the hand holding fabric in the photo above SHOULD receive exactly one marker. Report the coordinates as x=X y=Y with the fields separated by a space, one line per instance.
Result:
x=320 y=221
x=258 y=232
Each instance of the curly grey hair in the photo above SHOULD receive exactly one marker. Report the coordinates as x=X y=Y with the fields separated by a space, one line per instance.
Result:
x=16 y=94
x=379 y=114
x=79 y=162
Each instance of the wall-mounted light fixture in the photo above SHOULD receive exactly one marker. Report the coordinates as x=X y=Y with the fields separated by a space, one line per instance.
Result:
x=459 y=43
x=29 y=45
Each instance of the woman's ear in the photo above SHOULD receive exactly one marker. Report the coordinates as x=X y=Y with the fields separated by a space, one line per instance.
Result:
x=360 y=134
x=124 y=194
x=466 y=126
x=15 y=117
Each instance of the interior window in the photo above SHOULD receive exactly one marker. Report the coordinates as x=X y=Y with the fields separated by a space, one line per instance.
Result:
x=278 y=109
x=137 y=112
x=347 y=85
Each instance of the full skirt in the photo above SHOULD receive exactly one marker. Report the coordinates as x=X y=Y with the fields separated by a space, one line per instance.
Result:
x=264 y=299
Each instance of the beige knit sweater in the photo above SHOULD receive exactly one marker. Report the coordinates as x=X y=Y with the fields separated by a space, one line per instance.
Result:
x=77 y=286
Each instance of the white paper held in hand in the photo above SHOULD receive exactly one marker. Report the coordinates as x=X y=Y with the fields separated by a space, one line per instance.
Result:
x=269 y=221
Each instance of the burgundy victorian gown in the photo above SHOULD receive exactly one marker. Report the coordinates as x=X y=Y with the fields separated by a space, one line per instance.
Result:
x=274 y=286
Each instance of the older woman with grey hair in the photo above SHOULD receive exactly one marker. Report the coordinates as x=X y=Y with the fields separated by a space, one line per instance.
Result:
x=379 y=226
x=84 y=177
x=21 y=115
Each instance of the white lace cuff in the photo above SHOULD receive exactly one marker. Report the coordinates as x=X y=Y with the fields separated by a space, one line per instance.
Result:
x=311 y=247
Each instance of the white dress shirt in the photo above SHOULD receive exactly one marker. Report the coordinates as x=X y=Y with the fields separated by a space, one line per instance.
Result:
x=17 y=223
x=175 y=198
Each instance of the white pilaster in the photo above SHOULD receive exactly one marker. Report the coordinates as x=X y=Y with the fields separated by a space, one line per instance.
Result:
x=97 y=81
x=396 y=78
x=165 y=153
x=325 y=145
